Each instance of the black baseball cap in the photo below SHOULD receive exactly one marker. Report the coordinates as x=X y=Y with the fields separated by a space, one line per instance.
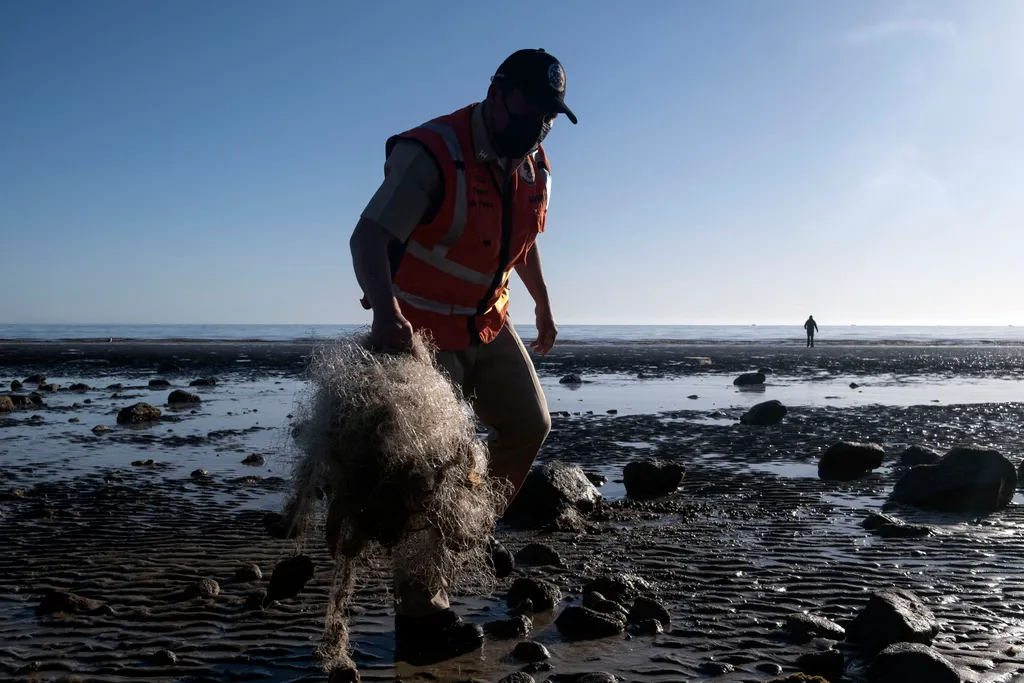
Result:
x=541 y=78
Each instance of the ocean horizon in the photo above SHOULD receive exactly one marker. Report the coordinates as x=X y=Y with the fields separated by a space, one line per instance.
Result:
x=766 y=334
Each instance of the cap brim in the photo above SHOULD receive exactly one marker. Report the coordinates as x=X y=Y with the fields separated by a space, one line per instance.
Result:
x=561 y=107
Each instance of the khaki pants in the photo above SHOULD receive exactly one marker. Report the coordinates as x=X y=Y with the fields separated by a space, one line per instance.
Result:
x=500 y=383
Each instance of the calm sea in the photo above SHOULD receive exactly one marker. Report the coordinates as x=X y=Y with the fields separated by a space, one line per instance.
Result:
x=572 y=333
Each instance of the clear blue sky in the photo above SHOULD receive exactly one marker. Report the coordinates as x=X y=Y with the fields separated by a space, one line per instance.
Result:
x=735 y=162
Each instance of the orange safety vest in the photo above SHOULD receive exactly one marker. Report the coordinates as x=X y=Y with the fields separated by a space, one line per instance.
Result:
x=451 y=276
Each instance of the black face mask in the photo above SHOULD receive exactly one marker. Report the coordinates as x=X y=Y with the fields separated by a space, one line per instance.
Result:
x=521 y=136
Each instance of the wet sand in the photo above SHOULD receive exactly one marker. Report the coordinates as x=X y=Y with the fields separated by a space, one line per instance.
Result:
x=750 y=537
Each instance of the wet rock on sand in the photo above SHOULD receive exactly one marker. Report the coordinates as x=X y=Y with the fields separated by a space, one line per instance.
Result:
x=766 y=413
x=248 y=573
x=749 y=379
x=549 y=491
x=63 y=602
x=799 y=678
x=531 y=651
x=541 y=595
x=965 y=479
x=621 y=588
x=518 y=677
x=893 y=615
x=6 y=404
x=599 y=677
x=918 y=455
x=820 y=658
x=255 y=459
x=650 y=478
x=79 y=387
x=289 y=578
x=164 y=658
x=99 y=429
x=571 y=378
x=539 y=555
x=580 y=623
x=16 y=385
x=203 y=588
x=180 y=396
x=846 y=460
x=49 y=388
x=804 y=628
x=200 y=474
x=913 y=662
x=647 y=609
x=158 y=384
x=513 y=627
x=207 y=382
x=35 y=379
x=138 y=413
x=887 y=526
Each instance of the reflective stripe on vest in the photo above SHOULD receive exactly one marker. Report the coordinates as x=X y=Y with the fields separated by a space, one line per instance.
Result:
x=451 y=140
x=432 y=306
x=435 y=257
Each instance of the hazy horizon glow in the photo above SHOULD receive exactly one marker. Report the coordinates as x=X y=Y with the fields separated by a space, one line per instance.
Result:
x=743 y=163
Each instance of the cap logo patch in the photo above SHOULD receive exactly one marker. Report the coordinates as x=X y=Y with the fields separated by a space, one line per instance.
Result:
x=556 y=77
x=526 y=172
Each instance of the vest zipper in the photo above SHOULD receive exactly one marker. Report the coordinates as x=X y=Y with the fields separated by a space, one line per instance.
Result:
x=507 y=200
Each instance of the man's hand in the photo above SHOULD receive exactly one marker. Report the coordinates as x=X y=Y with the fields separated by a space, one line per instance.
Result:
x=390 y=332
x=547 y=331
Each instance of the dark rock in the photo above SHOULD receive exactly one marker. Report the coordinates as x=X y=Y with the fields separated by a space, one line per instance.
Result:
x=279 y=526
x=854 y=385
x=35 y=379
x=543 y=594
x=919 y=455
x=826 y=662
x=167 y=367
x=518 y=677
x=16 y=385
x=600 y=677
x=74 y=419
x=613 y=411
x=256 y=601
x=599 y=603
x=158 y=384
x=621 y=588
x=50 y=388
x=343 y=673
x=536 y=667
x=713 y=669
x=99 y=429
x=6 y=404
x=579 y=623
x=693 y=397
x=179 y=396
x=79 y=387
x=23 y=401
x=803 y=628
x=144 y=463
x=514 y=627
x=596 y=478
x=539 y=555
x=769 y=668
x=890 y=527
x=645 y=608
x=799 y=678
x=748 y=379
x=248 y=573
x=200 y=474
x=893 y=615
x=530 y=651
x=203 y=588
x=549 y=490
x=650 y=478
x=138 y=413
x=648 y=627
x=255 y=460
x=116 y=387
x=765 y=413
x=903 y=662
x=845 y=460
x=571 y=379
x=290 y=577
x=63 y=602
x=164 y=658
x=965 y=479
x=207 y=382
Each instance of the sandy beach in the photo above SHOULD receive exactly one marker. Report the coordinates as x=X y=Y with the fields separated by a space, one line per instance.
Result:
x=134 y=517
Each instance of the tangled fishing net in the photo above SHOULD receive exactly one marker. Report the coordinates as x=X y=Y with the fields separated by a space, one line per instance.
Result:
x=387 y=438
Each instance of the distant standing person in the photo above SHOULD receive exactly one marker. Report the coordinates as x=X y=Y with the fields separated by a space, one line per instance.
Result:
x=811 y=328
